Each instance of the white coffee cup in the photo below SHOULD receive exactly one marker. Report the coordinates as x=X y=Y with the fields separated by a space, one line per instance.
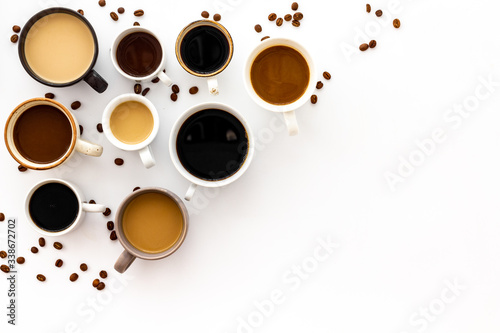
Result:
x=82 y=209
x=158 y=71
x=144 y=148
x=195 y=181
x=288 y=110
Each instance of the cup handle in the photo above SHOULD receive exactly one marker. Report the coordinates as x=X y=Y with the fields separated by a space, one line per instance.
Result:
x=88 y=148
x=124 y=261
x=165 y=79
x=190 y=192
x=93 y=208
x=96 y=81
x=213 y=86
x=291 y=123
x=147 y=157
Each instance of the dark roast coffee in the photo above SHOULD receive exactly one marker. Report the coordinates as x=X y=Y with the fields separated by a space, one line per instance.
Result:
x=53 y=207
x=205 y=49
x=212 y=144
x=139 y=54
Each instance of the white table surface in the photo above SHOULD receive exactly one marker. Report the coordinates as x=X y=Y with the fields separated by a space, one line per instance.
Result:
x=251 y=261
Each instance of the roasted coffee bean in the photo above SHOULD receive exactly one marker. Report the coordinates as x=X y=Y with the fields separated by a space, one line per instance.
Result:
x=298 y=16
x=272 y=17
x=175 y=89
x=314 y=99
x=363 y=47
x=288 y=17
x=121 y=10
x=59 y=263
x=319 y=85
x=155 y=80
x=16 y=29
x=136 y=24
x=50 y=95
x=258 y=28
x=173 y=97
x=205 y=14
x=139 y=12
x=107 y=212
x=193 y=90
x=217 y=17
x=2 y=217
x=119 y=161
x=264 y=38
x=136 y=188
x=372 y=44
x=279 y=22
x=102 y=3
x=73 y=277
x=137 y=88
x=368 y=8
x=103 y=274
x=110 y=225
x=396 y=23
x=5 y=268
x=379 y=13
x=295 y=6
x=58 y=246
x=76 y=105
x=113 y=236
x=84 y=267
x=41 y=278
x=3 y=254
x=22 y=168
x=296 y=23
x=20 y=260
x=114 y=16
x=41 y=241
x=327 y=75
x=101 y=286
x=34 y=249
x=81 y=129
x=92 y=202
x=14 y=38
x=95 y=283
x=145 y=91
x=81 y=12
x=99 y=128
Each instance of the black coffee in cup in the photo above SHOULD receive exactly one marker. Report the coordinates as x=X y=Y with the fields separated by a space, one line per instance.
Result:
x=53 y=207
x=139 y=54
x=212 y=144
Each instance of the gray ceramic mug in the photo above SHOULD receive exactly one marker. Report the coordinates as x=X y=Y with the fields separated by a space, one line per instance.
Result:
x=131 y=253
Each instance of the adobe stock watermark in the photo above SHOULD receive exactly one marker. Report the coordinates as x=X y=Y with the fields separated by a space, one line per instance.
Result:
x=292 y=280
x=223 y=6
x=453 y=119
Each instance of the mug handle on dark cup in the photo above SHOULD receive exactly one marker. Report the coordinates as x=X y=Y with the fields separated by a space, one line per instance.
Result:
x=124 y=261
x=96 y=81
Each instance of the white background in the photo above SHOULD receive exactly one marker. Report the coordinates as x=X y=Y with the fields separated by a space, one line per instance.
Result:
x=396 y=249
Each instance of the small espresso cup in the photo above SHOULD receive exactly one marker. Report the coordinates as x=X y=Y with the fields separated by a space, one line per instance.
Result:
x=138 y=54
x=205 y=48
x=58 y=47
x=211 y=145
x=42 y=134
x=55 y=207
x=280 y=76
x=131 y=122
x=151 y=224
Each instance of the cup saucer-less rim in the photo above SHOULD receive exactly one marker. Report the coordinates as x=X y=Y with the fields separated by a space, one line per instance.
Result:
x=24 y=34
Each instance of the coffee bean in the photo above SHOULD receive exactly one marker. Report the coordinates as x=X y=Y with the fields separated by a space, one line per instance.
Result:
x=314 y=99
x=113 y=236
x=3 y=254
x=5 y=268
x=99 y=128
x=21 y=260
x=22 y=168
x=136 y=188
x=2 y=217
x=95 y=283
x=14 y=38
x=102 y=3
x=114 y=16
x=155 y=80
x=363 y=47
x=396 y=23
x=296 y=23
x=92 y=202
x=41 y=278
x=84 y=267
x=193 y=90
x=175 y=89
x=50 y=95
x=110 y=225
x=137 y=88
x=139 y=12
x=258 y=28
x=205 y=14
x=76 y=105
x=327 y=75
x=16 y=29
x=217 y=17
x=119 y=161
x=101 y=286
x=34 y=249
x=81 y=129
x=59 y=263
x=173 y=97
x=58 y=246
x=368 y=8
x=319 y=85
x=279 y=22
x=136 y=24
x=107 y=212
x=288 y=17
x=379 y=13
x=372 y=44
x=103 y=274
x=81 y=12
x=264 y=38
x=295 y=6
x=145 y=91
x=272 y=17
x=298 y=16
x=73 y=277
x=41 y=241
x=121 y=10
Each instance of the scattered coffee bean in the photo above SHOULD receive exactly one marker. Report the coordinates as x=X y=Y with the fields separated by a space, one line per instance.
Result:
x=327 y=75
x=114 y=16
x=175 y=89
x=81 y=12
x=217 y=17
x=102 y=3
x=288 y=17
x=372 y=44
x=2 y=217
x=319 y=85
x=145 y=91
x=113 y=236
x=119 y=161
x=139 y=12
x=22 y=168
x=193 y=90
x=81 y=129
x=58 y=246
x=363 y=47
x=205 y=14
x=50 y=95
x=110 y=225
x=76 y=105
x=101 y=286
x=314 y=99
x=59 y=263
x=20 y=260
x=379 y=13
x=73 y=277
x=279 y=22
x=107 y=212
x=121 y=10
x=14 y=38
x=298 y=16
x=264 y=38
x=95 y=283
x=41 y=278
x=3 y=254
x=295 y=6
x=396 y=23
x=368 y=8
x=34 y=249
x=137 y=88
x=5 y=268
x=99 y=128
x=136 y=24
x=173 y=97
x=296 y=23
x=83 y=267
x=136 y=188
x=41 y=241
x=103 y=274
x=155 y=80
x=16 y=29
x=272 y=17
x=92 y=202
x=258 y=28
